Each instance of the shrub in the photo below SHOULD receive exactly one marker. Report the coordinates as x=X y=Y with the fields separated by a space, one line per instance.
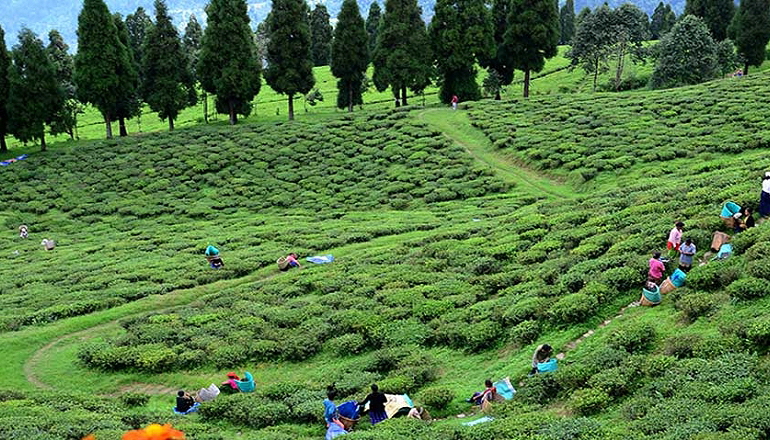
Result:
x=525 y=332
x=539 y=389
x=633 y=337
x=579 y=428
x=134 y=399
x=759 y=269
x=573 y=308
x=758 y=332
x=694 y=305
x=588 y=401
x=749 y=288
x=613 y=381
x=346 y=345
x=436 y=397
x=682 y=346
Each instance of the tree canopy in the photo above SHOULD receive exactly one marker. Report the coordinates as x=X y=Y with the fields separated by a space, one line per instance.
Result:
x=750 y=30
x=686 y=55
x=567 y=22
x=227 y=66
x=289 y=64
x=320 y=35
x=5 y=62
x=372 y=24
x=717 y=15
x=350 y=55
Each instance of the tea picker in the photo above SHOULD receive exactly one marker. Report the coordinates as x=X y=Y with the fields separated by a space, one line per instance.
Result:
x=213 y=257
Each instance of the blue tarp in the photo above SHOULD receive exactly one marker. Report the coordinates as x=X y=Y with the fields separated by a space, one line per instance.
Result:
x=321 y=259
x=348 y=409
x=5 y=163
x=505 y=389
x=547 y=367
x=724 y=251
x=677 y=278
x=189 y=411
x=484 y=419
x=729 y=209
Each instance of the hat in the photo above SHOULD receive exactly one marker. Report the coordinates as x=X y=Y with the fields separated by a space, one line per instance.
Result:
x=232 y=375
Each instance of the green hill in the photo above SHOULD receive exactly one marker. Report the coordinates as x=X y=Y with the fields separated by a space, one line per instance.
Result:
x=455 y=258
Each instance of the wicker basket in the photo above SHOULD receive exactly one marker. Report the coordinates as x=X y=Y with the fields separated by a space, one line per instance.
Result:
x=719 y=239
x=667 y=286
x=282 y=263
x=349 y=424
x=646 y=302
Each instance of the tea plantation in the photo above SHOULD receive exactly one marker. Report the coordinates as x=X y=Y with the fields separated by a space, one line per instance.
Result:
x=448 y=271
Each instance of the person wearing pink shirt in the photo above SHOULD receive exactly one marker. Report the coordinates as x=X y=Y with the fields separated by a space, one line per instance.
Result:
x=675 y=236
x=657 y=268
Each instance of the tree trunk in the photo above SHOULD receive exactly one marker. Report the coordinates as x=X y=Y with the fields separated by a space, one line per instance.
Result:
x=403 y=96
x=350 y=97
x=526 y=83
x=621 y=62
x=3 y=145
x=596 y=73
x=232 y=115
x=746 y=69
x=205 y=107
x=170 y=124
x=291 y=106
x=497 y=96
x=123 y=131
x=108 y=123
x=42 y=142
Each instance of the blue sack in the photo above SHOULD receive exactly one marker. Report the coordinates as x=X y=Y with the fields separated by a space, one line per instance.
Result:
x=334 y=430
x=729 y=209
x=192 y=409
x=547 y=367
x=321 y=259
x=677 y=278
x=505 y=389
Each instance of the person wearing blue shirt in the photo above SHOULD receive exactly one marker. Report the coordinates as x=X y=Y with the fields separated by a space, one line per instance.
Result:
x=330 y=409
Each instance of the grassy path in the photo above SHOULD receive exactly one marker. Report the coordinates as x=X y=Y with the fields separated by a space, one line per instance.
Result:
x=457 y=126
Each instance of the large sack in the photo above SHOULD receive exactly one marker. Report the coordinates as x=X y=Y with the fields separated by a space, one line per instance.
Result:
x=719 y=239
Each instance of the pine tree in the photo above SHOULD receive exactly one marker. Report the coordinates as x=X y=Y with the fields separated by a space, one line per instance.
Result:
x=137 y=25
x=532 y=35
x=716 y=13
x=35 y=96
x=669 y=20
x=567 y=22
x=585 y=12
x=5 y=62
x=657 y=21
x=350 y=55
x=320 y=35
x=227 y=66
x=191 y=44
x=750 y=30
x=99 y=52
x=461 y=33
x=169 y=84
x=373 y=24
x=289 y=64
x=128 y=102
x=501 y=63
x=402 y=57
x=64 y=121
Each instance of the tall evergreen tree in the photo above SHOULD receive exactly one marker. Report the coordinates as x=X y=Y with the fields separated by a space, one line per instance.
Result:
x=35 y=95
x=750 y=30
x=289 y=64
x=373 y=24
x=5 y=62
x=128 y=102
x=227 y=66
x=99 y=53
x=320 y=35
x=64 y=121
x=501 y=63
x=669 y=20
x=461 y=33
x=169 y=86
x=262 y=36
x=567 y=22
x=191 y=44
x=657 y=21
x=532 y=35
x=581 y=15
x=402 y=58
x=137 y=25
x=716 y=13
x=350 y=55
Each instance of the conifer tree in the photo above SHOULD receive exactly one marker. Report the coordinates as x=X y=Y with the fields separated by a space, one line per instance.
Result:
x=585 y=12
x=137 y=25
x=402 y=58
x=567 y=22
x=350 y=55
x=128 y=102
x=5 y=62
x=532 y=35
x=289 y=63
x=320 y=35
x=501 y=62
x=35 y=96
x=227 y=66
x=669 y=20
x=750 y=30
x=716 y=13
x=64 y=121
x=99 y=52
x=461 y=33
x=657 y=21
x=372 y=24
x=168 y=86
x=191 y=44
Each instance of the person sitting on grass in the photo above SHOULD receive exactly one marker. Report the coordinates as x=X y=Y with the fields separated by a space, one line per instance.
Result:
x=542 y=354
x=487 y=395
x=419 y=413
x=376 y=401
x=230 y=386
x=185 y=403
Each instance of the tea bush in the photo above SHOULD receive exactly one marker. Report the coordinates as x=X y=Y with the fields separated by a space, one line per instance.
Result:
x=436 y=397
